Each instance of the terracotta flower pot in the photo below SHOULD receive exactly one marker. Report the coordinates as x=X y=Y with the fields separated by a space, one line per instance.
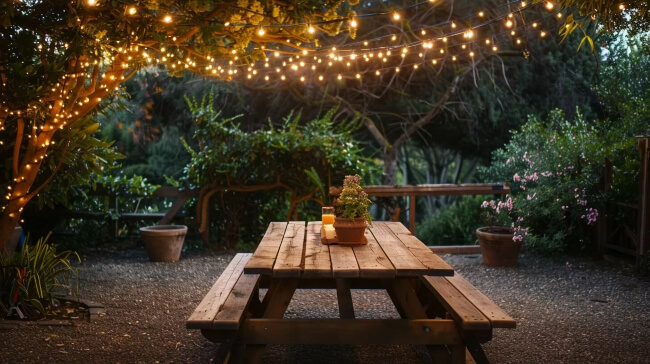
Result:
x=497 y=246
x=10 y=247
x=164 y=242
x=350 y=231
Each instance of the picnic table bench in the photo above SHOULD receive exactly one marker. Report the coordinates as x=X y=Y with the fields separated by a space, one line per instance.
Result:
x=438 y=308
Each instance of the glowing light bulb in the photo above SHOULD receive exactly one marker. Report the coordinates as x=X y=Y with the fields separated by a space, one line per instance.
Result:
x=132 y=11
x=481 y=14
x=396 y=16
x=92 y=2
x=549 y=5
x=261 y=32
x=339 y=77
x=311 y=30
x=509 y=24
x=167 y=19
x=453 y=25
x=353 y=23
x=523 y=4
x=621 y=7
x=542 y=34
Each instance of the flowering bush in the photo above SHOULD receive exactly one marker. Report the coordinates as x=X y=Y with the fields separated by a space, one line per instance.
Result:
x=555 y=168
x=353 y=201
x=496 y=214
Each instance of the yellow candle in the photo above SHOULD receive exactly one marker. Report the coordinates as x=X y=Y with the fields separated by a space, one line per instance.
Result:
x=330 y=233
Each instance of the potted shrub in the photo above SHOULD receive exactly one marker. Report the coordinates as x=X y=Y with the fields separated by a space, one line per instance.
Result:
x=501 y=238
x=163 y=242
x=352 y=214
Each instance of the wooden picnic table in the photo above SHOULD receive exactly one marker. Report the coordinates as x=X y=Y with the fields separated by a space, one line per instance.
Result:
x=291 y=256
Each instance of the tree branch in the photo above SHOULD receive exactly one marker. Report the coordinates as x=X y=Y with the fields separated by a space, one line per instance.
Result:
x=19 y=142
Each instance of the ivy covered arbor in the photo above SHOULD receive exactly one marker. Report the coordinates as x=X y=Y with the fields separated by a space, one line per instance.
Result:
x=60 y=59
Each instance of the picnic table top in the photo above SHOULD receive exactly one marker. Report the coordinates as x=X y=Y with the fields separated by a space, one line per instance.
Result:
x=294 y=250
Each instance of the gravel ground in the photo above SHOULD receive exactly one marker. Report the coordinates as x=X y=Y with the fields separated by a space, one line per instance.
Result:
x=580 y=311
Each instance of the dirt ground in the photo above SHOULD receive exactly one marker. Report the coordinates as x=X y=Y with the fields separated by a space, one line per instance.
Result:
x=567 y=311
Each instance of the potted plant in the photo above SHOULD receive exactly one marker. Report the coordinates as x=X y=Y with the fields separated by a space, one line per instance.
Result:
x=163 y=242
x=352 y=214
x=501 y=238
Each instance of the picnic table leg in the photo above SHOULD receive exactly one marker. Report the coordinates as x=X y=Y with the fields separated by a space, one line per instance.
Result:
x=402 y=293
x=344 y=296
x=275 y=304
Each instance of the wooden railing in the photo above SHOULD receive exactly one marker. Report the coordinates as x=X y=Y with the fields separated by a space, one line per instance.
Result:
x=162 y=218
x=412 y=191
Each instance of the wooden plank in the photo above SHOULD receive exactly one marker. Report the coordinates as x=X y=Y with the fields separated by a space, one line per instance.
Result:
x=456 y=304
x=264 y=257
x=436 y=266
x=403 y=295
x=177 y=206
x=432 y=190
x=232 y=311
x=344 y=263
x=412 y=205
x=344 y=298
x=373 y=262
x=275 y=303
x=289 y=260
x=211 y=304
x=455 y=249
x=405 y=263
x=317 y=255
x=350 y=332
x=494 y=313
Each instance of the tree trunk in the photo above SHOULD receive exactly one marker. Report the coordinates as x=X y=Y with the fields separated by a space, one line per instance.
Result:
x=391 y=155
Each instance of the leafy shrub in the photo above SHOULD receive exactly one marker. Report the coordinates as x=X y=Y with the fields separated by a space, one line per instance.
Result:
x=273 y=173
x=44 y=272
x=454 y=224
x=556 y=169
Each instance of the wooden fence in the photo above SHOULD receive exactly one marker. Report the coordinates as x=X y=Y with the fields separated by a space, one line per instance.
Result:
x=412 y=191
x=632 y=236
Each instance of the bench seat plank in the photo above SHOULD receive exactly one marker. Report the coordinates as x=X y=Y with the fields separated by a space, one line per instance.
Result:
x=211 y=304
x=456 y=304
x=232 y=313
x=494 y=313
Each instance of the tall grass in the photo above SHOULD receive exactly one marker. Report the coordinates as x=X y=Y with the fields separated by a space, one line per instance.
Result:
x=44 y=272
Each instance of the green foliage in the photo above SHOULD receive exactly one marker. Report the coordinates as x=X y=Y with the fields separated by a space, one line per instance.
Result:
x=269 y=165
x=46 y=272
x=556 y=167
x=354 y=201
x=454 y=224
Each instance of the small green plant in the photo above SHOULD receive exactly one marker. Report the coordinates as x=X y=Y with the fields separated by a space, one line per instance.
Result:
x=354 y=201
x=32 y=277
x=454 y=224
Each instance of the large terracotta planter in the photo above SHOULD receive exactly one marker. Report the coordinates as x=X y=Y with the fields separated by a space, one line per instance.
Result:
x=497 y=246
x=164 y=242
x=350 y=231
x=10 y=247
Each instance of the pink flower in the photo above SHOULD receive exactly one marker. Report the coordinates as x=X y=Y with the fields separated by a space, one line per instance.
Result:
x=529 y=197
x=517 y=238
x=516 y=177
